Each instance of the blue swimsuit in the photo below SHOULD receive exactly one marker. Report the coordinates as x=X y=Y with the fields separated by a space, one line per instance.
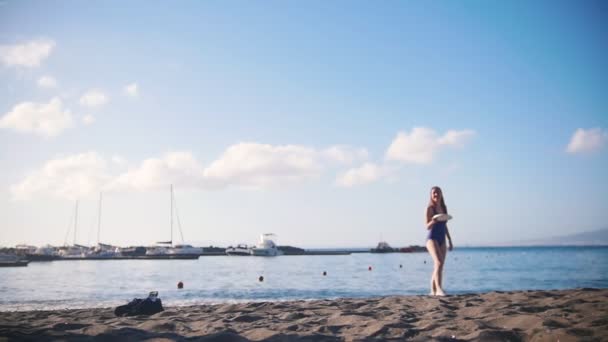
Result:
x=437 y=232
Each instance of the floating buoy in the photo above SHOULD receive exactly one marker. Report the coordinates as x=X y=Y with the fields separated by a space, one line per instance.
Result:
x=400 y=266
x=425 y=261
x=180 y=285
x=324 y=273
x=261 y=278
x=369 y=268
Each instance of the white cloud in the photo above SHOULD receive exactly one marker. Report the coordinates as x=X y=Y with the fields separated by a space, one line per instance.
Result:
x=70 y=177
x=47 y=82
x=88 y=119
x=456 y=138
x=259 y=165
x=178 y=168
x=422 y=144
x=45 y=119
x=29 y=54
x=118 y=160
x=131 y=90
x=345 y=154
x=94 y=98
x=244 y=165
x=586 y=141
x=367 y=173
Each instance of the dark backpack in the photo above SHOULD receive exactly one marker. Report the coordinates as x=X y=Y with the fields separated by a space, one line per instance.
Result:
x=139 y=306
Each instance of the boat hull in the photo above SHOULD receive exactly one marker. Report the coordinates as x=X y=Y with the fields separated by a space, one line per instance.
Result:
x=265 y=252
x=15 y=263
x=41 y=257
x=238 y=253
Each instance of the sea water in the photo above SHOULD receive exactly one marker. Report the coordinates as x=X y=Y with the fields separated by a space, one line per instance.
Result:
x=222 y=279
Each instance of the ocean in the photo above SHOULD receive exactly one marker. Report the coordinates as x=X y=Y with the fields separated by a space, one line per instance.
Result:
x=222 y=279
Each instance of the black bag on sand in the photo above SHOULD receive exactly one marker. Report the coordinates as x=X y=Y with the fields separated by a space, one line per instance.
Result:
x=138 y=306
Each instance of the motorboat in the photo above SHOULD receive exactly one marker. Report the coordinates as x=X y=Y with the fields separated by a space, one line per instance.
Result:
x=240 y=250
x=11 y=260
x=266 y=246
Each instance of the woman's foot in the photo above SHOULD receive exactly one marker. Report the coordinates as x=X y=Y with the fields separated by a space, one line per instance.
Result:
x=440 y=293
x=432 y=293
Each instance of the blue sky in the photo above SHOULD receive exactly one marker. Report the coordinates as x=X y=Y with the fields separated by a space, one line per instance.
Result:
x=323 y=122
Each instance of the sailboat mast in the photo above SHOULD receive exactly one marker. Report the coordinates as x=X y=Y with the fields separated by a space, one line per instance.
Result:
x=99 y=219
x=75 y=221
x=171 y=239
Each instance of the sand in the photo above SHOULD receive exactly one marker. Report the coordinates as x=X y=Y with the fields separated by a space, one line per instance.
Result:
x=560 y=315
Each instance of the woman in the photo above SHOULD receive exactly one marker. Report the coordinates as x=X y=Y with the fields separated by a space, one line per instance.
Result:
x=435 y=242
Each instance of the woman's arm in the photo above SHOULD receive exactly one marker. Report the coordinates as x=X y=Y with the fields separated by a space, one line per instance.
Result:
x=447 y=233
x=429 y=218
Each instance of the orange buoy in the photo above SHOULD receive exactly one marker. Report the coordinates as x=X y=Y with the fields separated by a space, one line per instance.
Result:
x=180 y=285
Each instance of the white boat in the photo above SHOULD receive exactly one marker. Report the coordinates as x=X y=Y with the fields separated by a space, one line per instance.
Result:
x=156 y=250
x=102 y=250
x=240 y=250
x=23 y=249
x=266 y=247
x=185 y=249
x=43 y=253
x=167 y=248
x=10 y=260
x=162 y=248
x=73 y=252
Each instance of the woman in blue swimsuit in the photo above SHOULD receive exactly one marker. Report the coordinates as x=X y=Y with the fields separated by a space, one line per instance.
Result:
x=435 y=242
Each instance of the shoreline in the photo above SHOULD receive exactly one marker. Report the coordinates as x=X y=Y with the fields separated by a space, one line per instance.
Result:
x=539 y=315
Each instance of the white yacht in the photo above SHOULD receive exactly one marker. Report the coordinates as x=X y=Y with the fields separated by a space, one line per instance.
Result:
x=266 y=246
x=240 y=250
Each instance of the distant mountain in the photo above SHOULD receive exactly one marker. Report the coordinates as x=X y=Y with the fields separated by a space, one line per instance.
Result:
x=593 y=238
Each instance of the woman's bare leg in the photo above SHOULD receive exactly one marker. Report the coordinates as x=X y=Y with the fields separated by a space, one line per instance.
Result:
x=435 y=251
x=443 y=252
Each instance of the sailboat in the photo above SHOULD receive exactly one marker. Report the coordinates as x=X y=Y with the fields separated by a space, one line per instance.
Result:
x=101 y=250
x=167 y=249
x=74 y=251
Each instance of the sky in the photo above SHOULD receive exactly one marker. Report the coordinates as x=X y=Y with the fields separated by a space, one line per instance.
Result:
x=324 y=122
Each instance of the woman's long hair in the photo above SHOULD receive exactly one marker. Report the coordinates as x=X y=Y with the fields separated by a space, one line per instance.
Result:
x=441 y=202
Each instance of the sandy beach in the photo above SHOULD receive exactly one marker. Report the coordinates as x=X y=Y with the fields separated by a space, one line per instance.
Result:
x=564 y=315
